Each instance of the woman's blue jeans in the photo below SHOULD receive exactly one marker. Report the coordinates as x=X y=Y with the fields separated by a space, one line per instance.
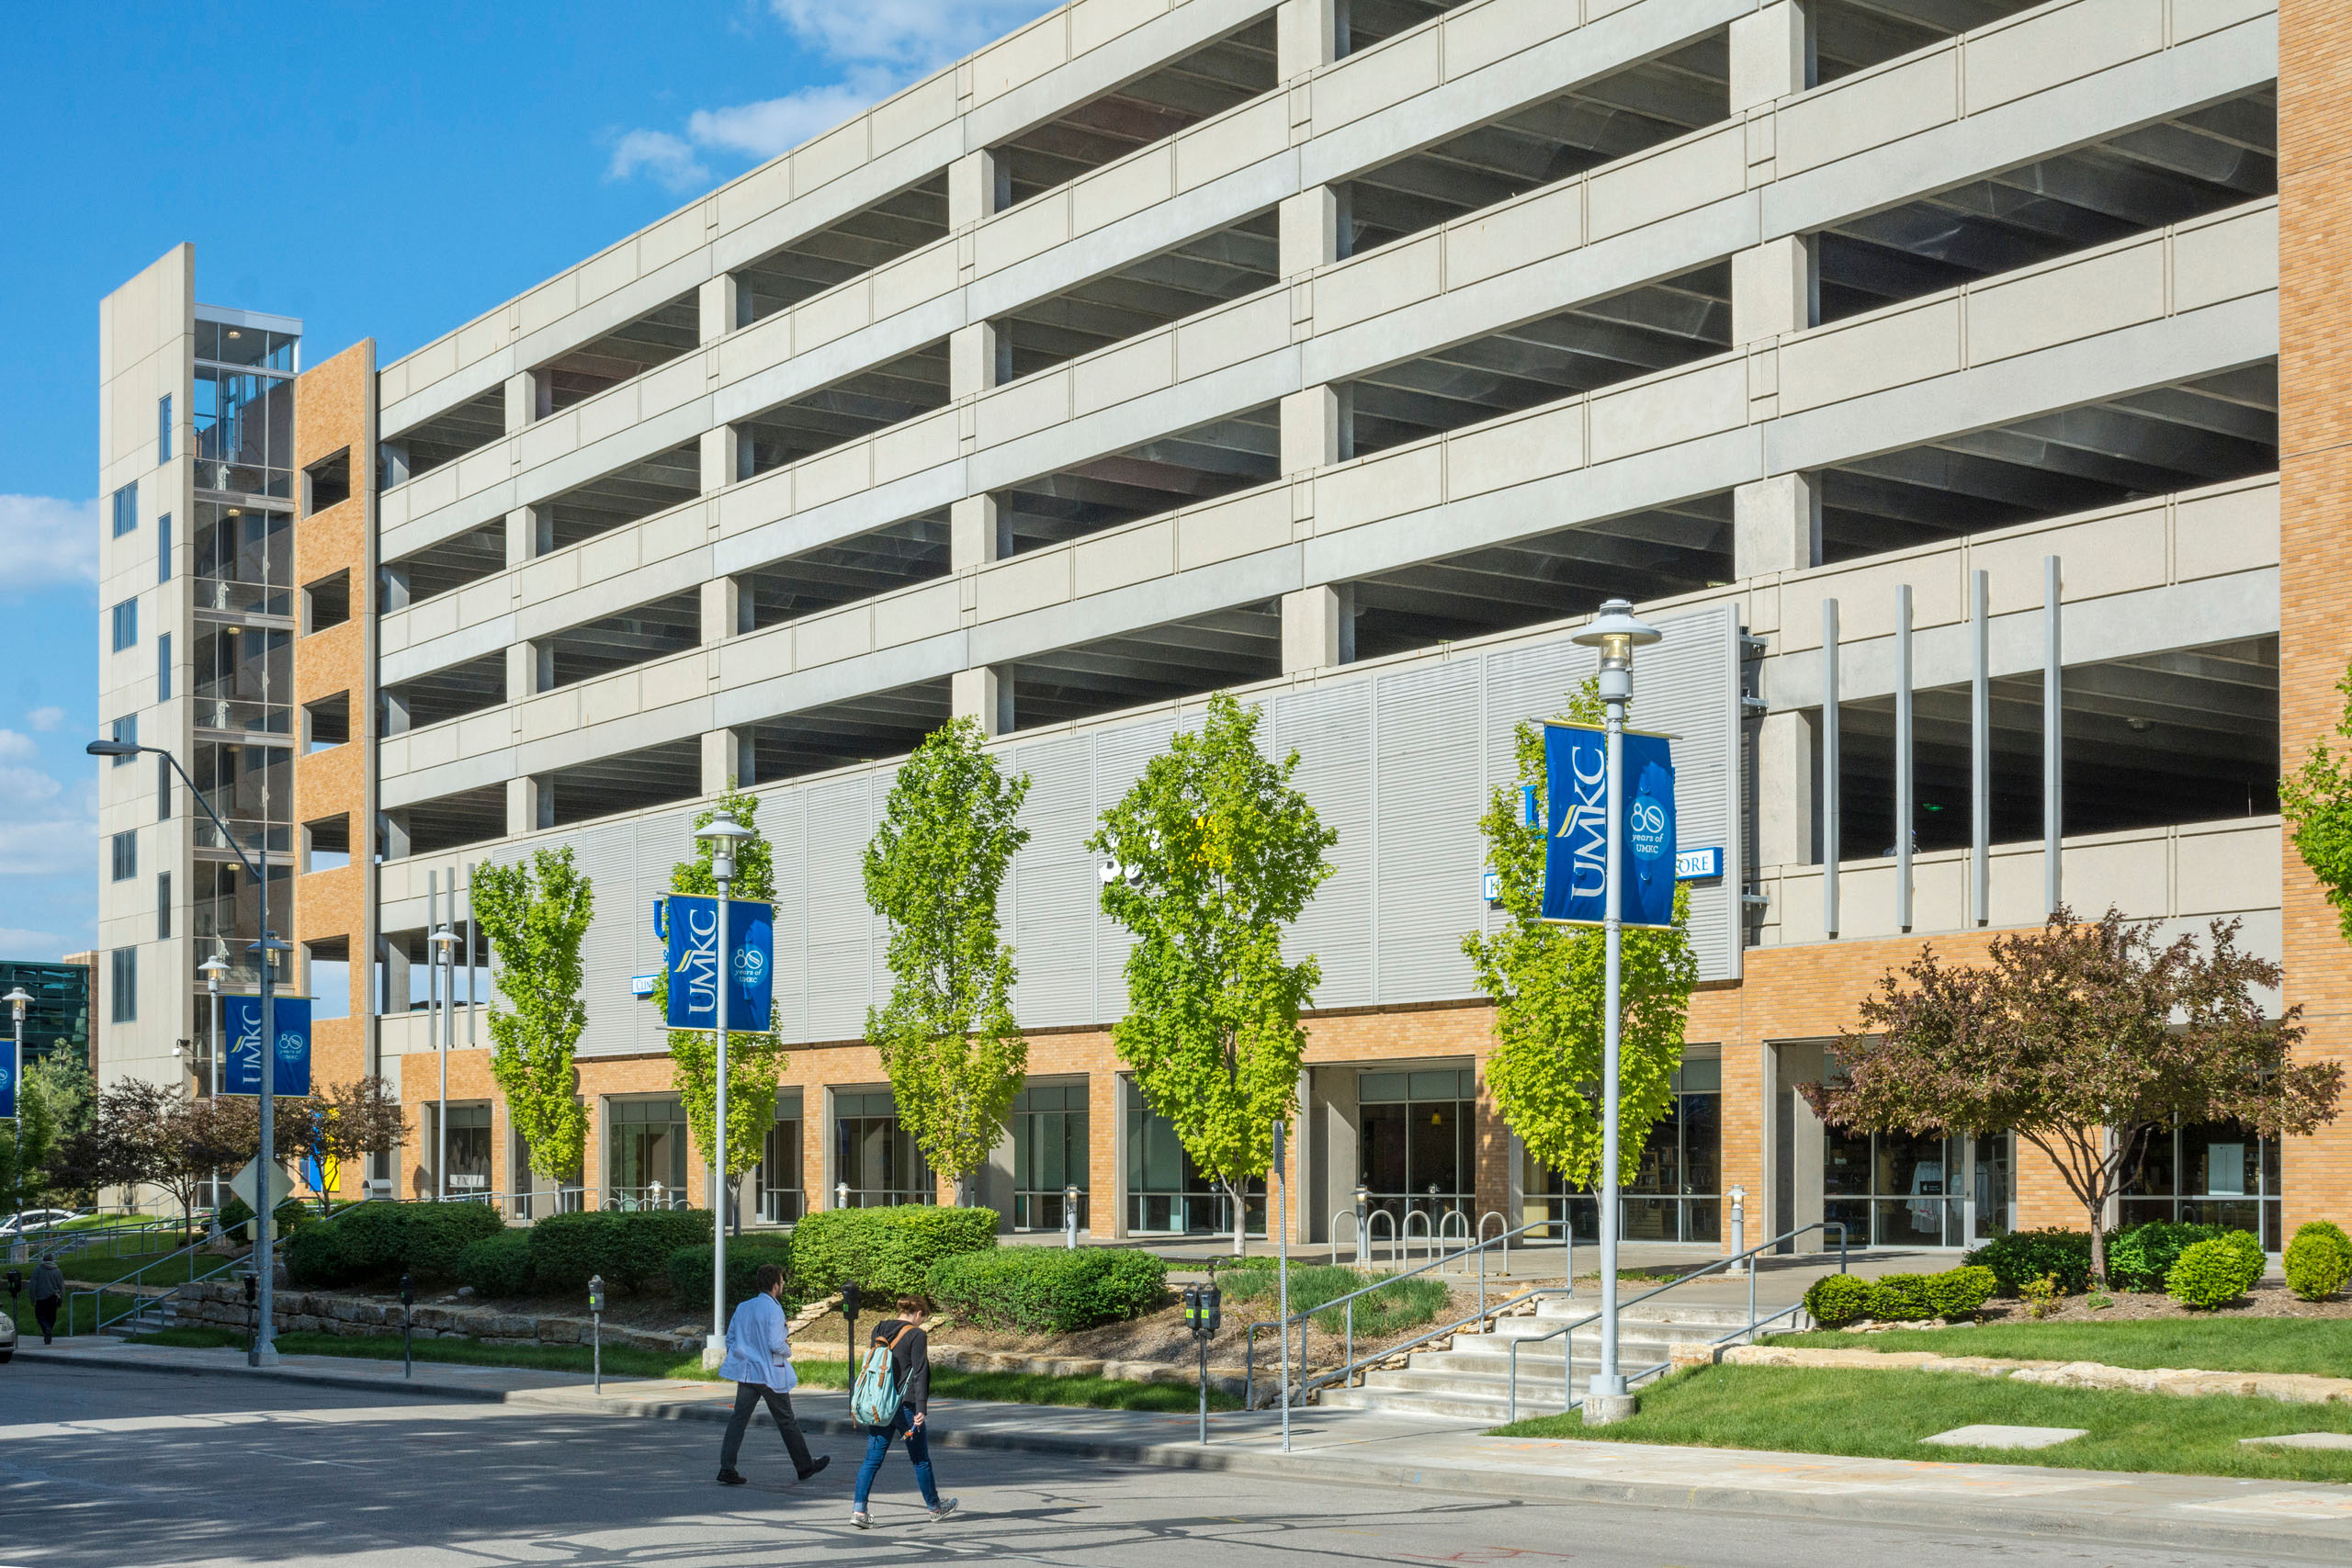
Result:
x=877 y=1443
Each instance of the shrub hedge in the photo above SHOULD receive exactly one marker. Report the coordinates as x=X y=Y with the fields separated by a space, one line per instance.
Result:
x=689 y=1270
x=886 y=1251
x=2319 y=1260
x=2140 y=1257
x=629 y=1250
x=2023 y=1255
x=2210 y=1273
x=497 y=1266
x=380 y=1242
x=1048 y=1289
x=1837 y=1298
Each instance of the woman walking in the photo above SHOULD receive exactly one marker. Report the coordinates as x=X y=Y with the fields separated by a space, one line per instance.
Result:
x=909 y=1374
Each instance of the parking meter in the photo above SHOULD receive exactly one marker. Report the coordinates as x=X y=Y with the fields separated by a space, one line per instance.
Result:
x=16 y=1284
x=1204 y=1315
x=408 y=1300
x=596 y=1330
x=252 y=1296
x=849 y=1316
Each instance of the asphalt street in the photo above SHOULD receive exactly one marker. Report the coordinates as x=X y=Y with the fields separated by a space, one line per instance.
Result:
x=113 y=1468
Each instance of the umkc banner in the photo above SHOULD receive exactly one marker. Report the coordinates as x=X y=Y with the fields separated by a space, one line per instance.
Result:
x=241 y=1016
x=703 y=970
x=1576 y=848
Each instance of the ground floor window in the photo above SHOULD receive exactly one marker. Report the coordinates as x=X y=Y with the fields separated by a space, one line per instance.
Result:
x=1416 y=1138
x=1167 y=1193
x=874 y=1156
x=1918 y=1189
x=1050 y=1153
x=466 y=1149
x=780 y=1201
x=532 y=1196
x=648 y=1159
x=2217 y=1174
x=1677 y=1193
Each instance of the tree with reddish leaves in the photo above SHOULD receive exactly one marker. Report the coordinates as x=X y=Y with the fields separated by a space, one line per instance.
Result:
x=2084 y=1038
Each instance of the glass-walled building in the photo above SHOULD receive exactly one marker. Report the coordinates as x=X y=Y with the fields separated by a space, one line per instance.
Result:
x=57 y=1021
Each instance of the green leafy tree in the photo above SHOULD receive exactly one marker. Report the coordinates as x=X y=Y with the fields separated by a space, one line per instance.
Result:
x=2316 y=801
x=947 y=1036
x=48 y=1098
x=754 y=1059
x=537 y=915
x=1215 y=854
x=1548 y=982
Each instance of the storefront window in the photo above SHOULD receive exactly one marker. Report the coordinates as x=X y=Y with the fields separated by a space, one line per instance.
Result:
x=777 y=1179
x=2216 y=1174
x=1917 y=1190
x=1417 y=1142
x=1048 y=1154
x=1676 y=1195
x=875 y=1156
x=468 y=1149
x=1167 y=1193
x=647 y=1138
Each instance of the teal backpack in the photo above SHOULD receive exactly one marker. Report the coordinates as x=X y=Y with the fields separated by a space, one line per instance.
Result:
x=874 y=1398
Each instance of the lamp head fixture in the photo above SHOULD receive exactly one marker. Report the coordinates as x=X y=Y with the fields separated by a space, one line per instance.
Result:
x=1616 y=633
x=18 y=1000
x=113 y=749
x=723 y=834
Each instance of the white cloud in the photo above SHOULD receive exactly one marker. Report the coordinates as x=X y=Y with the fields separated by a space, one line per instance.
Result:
x=45 y=719
x=30 y=946
x=912 y=33
x=49 y=541
x=660 y=154
x=877 y=47
x=48 y=847
x=15 y=748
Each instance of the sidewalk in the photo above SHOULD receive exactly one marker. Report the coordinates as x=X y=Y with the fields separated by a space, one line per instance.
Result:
x=2270 y=1518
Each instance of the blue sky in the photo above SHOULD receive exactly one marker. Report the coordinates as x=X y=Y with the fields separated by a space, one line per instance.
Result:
x=378 y=170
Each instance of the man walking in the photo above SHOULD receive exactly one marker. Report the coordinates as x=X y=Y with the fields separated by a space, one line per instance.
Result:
x=910 y=1350
x=48 y=1290
x=759 y=1358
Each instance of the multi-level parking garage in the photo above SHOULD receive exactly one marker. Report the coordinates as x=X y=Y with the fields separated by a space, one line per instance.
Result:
x=1920 y=360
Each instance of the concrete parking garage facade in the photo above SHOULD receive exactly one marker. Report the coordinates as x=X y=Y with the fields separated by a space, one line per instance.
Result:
x=1907 y=363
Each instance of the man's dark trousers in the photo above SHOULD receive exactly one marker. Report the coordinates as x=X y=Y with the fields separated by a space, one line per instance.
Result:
x=747 y=1400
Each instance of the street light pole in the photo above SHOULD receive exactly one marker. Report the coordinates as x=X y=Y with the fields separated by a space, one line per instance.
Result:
x=212 y=969
x=444 y=1028
x=724 y=835
x=263 y=1352
x=1616 y=634
x=17 y=1000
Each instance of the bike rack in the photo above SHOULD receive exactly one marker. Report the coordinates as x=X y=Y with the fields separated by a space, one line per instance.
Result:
x=1504 y=1223
x=1372 y=1233
x=1445 y=1230
x=1429 y=1234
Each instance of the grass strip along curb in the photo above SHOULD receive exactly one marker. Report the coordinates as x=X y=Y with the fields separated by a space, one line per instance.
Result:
x=620 y=1361
x=1883 y=1415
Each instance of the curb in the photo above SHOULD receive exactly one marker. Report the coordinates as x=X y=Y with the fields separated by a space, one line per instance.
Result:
x=1976 y=1515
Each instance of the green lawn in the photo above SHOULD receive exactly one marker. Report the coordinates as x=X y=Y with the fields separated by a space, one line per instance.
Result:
x=2317 y=1345
x=104 y=1271
x=79 y=1317
x=1885 y=1415
x=1012 y=1388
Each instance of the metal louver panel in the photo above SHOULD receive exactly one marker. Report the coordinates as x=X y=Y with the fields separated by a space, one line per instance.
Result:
x=840 y=926
x=1051 y=897
x=1427 y=769
x=607 y=857
x=1330 y=728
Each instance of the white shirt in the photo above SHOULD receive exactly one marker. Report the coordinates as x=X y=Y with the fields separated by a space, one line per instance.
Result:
x=758 y=1348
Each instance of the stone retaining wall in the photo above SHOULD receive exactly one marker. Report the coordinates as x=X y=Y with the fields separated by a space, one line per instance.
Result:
x=221 y=1303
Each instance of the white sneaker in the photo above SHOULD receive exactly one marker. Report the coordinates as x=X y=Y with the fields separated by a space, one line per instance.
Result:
x=944 y=1509
x=862 y=1521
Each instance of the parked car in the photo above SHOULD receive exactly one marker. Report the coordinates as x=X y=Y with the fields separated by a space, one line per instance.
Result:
x=35 y=1220
x=8 y=1337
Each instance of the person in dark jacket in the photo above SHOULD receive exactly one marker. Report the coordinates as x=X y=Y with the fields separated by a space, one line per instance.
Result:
x=49 y=1292
x=911 y=1362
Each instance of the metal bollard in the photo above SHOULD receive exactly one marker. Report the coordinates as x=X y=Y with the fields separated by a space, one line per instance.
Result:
x=408 y=1313
x=1739 y=1229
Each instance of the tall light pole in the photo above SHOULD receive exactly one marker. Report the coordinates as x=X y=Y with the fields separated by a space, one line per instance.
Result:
x=212 y=969
x=1616 y=634
x=723 y=834
x=263 y=1352
x=444 y=1029
x=18 y=1000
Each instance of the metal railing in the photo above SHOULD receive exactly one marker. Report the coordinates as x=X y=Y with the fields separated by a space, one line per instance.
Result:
x=135 y=1281
x=1748 y=1331
x=1346 y=1306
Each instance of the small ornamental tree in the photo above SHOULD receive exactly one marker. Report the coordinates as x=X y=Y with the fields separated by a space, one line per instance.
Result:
x=946 y=1036
x=1214 y=855
x=536 y=914
x=350 y=1121
x=1547 y=980
x=754 y=1058
x=2316 y=801
x=2085 y=1039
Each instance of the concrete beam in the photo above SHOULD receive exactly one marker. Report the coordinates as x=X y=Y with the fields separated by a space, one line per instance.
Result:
x=1776 y=525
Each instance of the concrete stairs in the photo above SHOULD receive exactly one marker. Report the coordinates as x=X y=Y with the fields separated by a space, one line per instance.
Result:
x=1469 y=1379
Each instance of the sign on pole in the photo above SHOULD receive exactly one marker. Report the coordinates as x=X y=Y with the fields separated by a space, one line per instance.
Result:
x=281 y=1184
x=1576 y=846
x=703 y=970
x=7 y=1090
x=240 y=1018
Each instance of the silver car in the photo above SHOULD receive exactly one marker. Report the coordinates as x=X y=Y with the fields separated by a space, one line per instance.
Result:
x=8 y=1337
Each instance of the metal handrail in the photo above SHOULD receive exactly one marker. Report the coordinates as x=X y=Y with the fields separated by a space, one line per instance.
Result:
x=1567 y=1349
x=1348 y=1303
x=100 y=1321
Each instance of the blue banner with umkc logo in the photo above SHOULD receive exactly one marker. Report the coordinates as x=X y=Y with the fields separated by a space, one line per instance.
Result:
x=1576 y=851
x=698 y=979
x=8 y=1091
x=290 y=1055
